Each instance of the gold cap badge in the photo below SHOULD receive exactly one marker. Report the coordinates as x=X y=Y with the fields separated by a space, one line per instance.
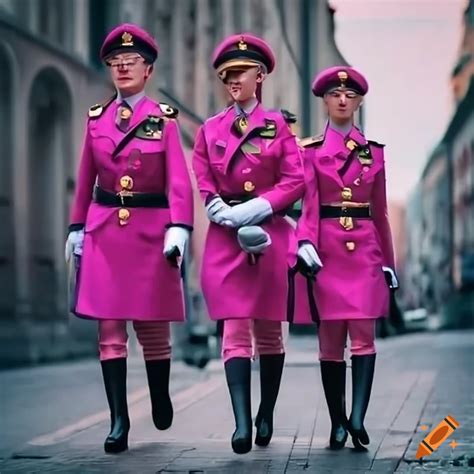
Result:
x=242 y=45
x=343 y=76
x=127 y=39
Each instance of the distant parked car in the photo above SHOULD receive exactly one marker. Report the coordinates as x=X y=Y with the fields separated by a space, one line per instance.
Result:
x=416 y=319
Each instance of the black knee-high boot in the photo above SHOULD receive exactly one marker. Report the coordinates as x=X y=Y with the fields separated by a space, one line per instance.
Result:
x=363 y=368
x=333 y=375
x=271 y=369
x=158 y=374
x=114 y=372
x=237 y=371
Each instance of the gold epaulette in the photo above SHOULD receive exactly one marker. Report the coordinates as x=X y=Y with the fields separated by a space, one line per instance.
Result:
x=98 y=109
x=168 y=111
x=308 y=142
x=372 y=142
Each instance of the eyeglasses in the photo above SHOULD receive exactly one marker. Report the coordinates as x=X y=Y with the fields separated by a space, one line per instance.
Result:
x=348 y=93
x=128 y=63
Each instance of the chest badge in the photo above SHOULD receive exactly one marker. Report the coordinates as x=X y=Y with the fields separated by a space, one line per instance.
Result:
x=365 y=156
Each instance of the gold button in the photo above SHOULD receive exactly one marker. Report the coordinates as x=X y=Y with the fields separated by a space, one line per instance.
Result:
x=243 y=124
x=351 y=144
x=125 y=113
x=249 y=186
x=124 y=215
x=126 y=182
x=350 y=246
x=346 y=194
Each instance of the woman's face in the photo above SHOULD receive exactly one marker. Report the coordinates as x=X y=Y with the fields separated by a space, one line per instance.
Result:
x=241 y=84
x=341 y=104
x=129 y=72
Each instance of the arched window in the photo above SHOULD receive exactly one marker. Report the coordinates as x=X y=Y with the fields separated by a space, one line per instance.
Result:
x=49 y=162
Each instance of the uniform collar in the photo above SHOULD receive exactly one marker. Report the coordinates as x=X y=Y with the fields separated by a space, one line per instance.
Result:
x=131 y=100
x=342 y=130
x=248 y=109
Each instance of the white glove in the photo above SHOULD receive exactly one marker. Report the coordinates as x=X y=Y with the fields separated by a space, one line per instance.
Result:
x=215 y=208
x=393 y=277
x=310 y=257
x=176 y=238
x=74 y=243
x=253 y=239
x=248 y=213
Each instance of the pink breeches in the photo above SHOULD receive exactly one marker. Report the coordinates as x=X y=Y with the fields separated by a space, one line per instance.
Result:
x=333 y=336
x=239 y=333
x=153 y=336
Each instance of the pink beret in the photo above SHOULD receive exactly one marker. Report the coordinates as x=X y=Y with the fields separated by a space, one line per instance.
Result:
x=242 y=50
x=339 y=77
x=129 y=37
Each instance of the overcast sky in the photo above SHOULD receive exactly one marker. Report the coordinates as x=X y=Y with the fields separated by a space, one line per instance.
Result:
x=407 y=49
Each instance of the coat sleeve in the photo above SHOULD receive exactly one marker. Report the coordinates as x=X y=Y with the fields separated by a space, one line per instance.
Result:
x=178 y=182
x=308 y=224
x=85 y=185
x=380 y=215
x=290 y=186
x=206 y=183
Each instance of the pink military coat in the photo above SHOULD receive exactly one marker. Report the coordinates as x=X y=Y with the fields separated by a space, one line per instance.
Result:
x=351 y=285
x=264 y=162
x=123 y=273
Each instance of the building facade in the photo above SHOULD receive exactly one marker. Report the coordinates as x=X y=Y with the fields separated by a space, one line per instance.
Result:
x=51 y=75
x=440 y=221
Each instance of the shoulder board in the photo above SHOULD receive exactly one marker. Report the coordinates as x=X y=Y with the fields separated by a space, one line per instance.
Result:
x=168 y=111
x=372 y=142
x=317 y=140
x=288 y=116
x=98 y=109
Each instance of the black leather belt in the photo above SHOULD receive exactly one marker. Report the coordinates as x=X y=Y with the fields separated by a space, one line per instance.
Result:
x=234 y=201
x=106 y=198
x=328 y=212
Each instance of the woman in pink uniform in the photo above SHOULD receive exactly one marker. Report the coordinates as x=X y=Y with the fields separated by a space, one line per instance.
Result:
x=345 y=226
x=130 y=221
x=248 y=170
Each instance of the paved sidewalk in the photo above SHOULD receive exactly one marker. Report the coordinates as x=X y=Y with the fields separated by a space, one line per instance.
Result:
x=420 y=379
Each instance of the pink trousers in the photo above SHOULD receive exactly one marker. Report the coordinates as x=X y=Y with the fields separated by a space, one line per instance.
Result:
x=153 y=336
x=333 y=335
x=239 y=335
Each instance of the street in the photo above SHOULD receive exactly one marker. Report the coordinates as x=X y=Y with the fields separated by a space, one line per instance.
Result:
x=55 y=418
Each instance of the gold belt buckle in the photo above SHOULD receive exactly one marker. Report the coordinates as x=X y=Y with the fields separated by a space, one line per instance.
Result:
x=124 y=193
x=346 y=221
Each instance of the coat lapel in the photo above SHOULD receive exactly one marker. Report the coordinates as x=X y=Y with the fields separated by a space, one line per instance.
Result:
x=355 y=171
x=328 y=156
x=256 y=120
x=144 y=108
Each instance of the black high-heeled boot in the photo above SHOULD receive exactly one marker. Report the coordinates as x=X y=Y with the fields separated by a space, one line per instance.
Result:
x=363 y=368
x=237 y=371
x=333 y=375
x=114 y=372
x=158 y=374
x=271 y=369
